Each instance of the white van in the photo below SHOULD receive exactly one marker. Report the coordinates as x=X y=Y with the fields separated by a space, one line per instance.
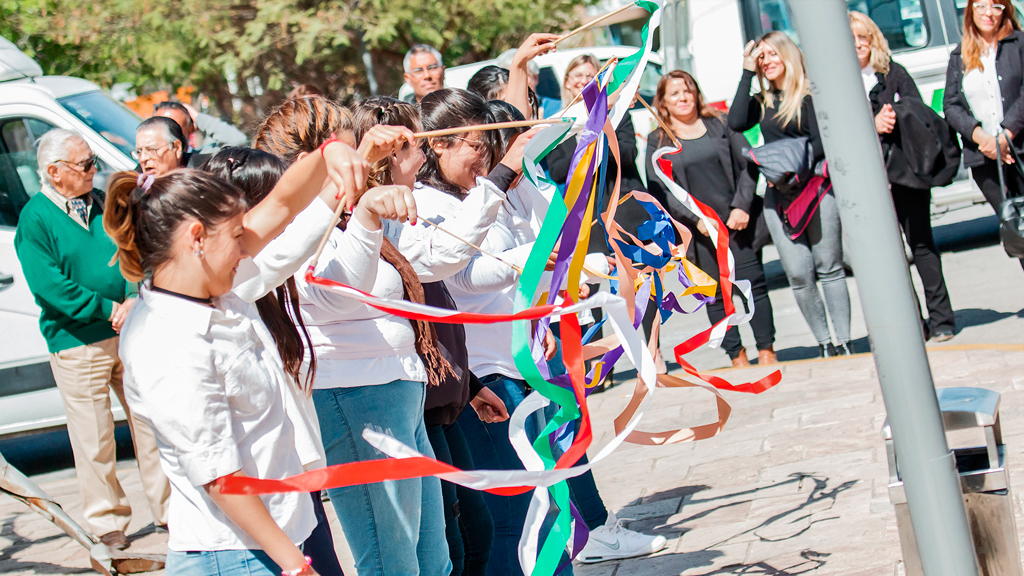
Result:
x=30 y=105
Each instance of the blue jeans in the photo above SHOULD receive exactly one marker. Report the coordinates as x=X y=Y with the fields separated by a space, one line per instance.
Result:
x=393 y=528
x=221 y=563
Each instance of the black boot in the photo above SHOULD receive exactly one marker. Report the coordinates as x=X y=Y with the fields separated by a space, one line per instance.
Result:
x=844 y=349
x=826 y=350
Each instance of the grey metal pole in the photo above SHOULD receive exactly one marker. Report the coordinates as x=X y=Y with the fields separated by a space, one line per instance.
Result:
x=883 y=279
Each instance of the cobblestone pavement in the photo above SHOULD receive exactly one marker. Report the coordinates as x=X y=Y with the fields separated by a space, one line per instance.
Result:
x=795 y=484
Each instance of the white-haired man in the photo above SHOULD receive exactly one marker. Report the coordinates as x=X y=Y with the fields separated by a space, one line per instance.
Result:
x=424 y=71
x=65 y=255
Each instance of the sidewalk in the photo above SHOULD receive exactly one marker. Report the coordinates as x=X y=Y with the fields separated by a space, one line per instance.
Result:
x=796 y=484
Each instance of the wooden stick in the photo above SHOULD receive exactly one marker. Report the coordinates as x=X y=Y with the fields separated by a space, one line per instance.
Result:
x=593 y=22
x=496 y=126
x=660 y=121
x=482 y=251
x=611 y=61
x=327 y=234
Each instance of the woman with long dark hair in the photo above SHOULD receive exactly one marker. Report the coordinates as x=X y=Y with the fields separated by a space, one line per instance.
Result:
x=783 y=109
x=710 y=166
x=983 y=97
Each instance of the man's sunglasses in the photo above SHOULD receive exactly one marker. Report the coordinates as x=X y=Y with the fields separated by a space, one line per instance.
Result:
x=84 y=165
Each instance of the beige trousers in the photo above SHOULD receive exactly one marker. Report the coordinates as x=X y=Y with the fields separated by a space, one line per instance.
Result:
x=85 y=376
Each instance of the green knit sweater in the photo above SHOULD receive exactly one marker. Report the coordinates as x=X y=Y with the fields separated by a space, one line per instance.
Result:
x=68 y=270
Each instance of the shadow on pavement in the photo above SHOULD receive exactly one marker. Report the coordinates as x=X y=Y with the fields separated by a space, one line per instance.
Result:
x=789 y=521
x=859 y=346
x=967 y=317
x=19 y=543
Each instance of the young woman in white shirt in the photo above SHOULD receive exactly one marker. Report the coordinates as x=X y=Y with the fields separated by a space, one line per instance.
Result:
x=985 y=95
x=372 y=367
x=201 y=368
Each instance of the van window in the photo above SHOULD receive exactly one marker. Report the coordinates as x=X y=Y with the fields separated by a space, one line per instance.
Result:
x=19 y=174
x=902 y=22
x=108 y=118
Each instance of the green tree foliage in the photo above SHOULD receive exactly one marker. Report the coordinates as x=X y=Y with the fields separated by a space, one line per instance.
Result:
x=252 y=51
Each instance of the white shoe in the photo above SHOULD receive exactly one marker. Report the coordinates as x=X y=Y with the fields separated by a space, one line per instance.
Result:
x=614 y=542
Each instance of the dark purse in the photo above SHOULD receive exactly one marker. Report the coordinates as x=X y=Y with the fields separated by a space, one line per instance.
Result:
x=1011 y=211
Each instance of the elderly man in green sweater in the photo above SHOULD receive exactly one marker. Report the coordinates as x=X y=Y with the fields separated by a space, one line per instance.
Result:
x=66 y=257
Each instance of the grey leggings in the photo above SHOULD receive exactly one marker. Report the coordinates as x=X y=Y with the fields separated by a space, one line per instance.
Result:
x=817 y=254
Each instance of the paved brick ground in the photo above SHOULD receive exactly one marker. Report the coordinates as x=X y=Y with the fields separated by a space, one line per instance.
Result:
x=796 y=484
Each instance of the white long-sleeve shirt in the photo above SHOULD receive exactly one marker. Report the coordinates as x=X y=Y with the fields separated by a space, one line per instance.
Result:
x=282 y=256
x=357 y=345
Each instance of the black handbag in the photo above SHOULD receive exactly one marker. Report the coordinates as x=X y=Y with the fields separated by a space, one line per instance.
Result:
x=1011 y=211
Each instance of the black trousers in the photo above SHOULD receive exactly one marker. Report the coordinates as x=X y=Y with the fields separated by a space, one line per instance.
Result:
x=469 y=527
x=986 y=177
x=748 y=267
x=913 y=210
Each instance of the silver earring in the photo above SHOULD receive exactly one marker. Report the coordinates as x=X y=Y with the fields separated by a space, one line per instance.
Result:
x=198 y=252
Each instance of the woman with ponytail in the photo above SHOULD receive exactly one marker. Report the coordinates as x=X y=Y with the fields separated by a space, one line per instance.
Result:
x=255 y=173
x=201 y=368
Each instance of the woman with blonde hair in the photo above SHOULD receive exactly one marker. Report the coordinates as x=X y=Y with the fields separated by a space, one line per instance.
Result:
x=886 y=83
x=711 y=167
x=984 y=85
x=784 y=109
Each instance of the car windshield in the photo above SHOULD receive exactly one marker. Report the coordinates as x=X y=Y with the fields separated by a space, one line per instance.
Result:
x=108 y=118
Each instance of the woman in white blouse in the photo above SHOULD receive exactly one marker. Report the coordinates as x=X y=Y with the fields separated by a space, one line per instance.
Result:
x=983 y=99
x=201 y=368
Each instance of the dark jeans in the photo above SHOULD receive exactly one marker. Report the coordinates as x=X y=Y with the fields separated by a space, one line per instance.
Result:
x=748 y=267
x=468 y=524
x=491 y=450
x=320 y=544
x=913 y=210
x=986 y=177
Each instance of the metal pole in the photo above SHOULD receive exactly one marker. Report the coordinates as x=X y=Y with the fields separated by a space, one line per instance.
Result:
x=883 y=279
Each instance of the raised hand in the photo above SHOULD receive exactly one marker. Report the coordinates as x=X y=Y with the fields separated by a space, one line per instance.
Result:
x=380 y=141
x=347 y=169
x=514 y=157
x=385 y=203
x=751 y=53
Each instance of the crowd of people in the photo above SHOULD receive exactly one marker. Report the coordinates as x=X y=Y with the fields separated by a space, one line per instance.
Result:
x=229 y=362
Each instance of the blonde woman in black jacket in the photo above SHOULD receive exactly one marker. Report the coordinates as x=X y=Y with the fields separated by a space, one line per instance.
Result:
x=886 y=83
x=984 y=89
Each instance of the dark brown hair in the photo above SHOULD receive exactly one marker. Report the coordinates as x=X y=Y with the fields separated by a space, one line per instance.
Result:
x=448 y=108
x=970 y=46
x=390 y=112
x=703 y=110
x=256 y=173
x=319 y=119
x=142 y=223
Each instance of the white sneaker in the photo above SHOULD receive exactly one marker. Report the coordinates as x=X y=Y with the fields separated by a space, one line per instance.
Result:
x=615 y=542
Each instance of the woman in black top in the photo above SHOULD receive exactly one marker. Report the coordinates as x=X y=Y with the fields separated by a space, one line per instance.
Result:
x=887 y=83
x=710 y=166
x=991 y=52
x=783 y=108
